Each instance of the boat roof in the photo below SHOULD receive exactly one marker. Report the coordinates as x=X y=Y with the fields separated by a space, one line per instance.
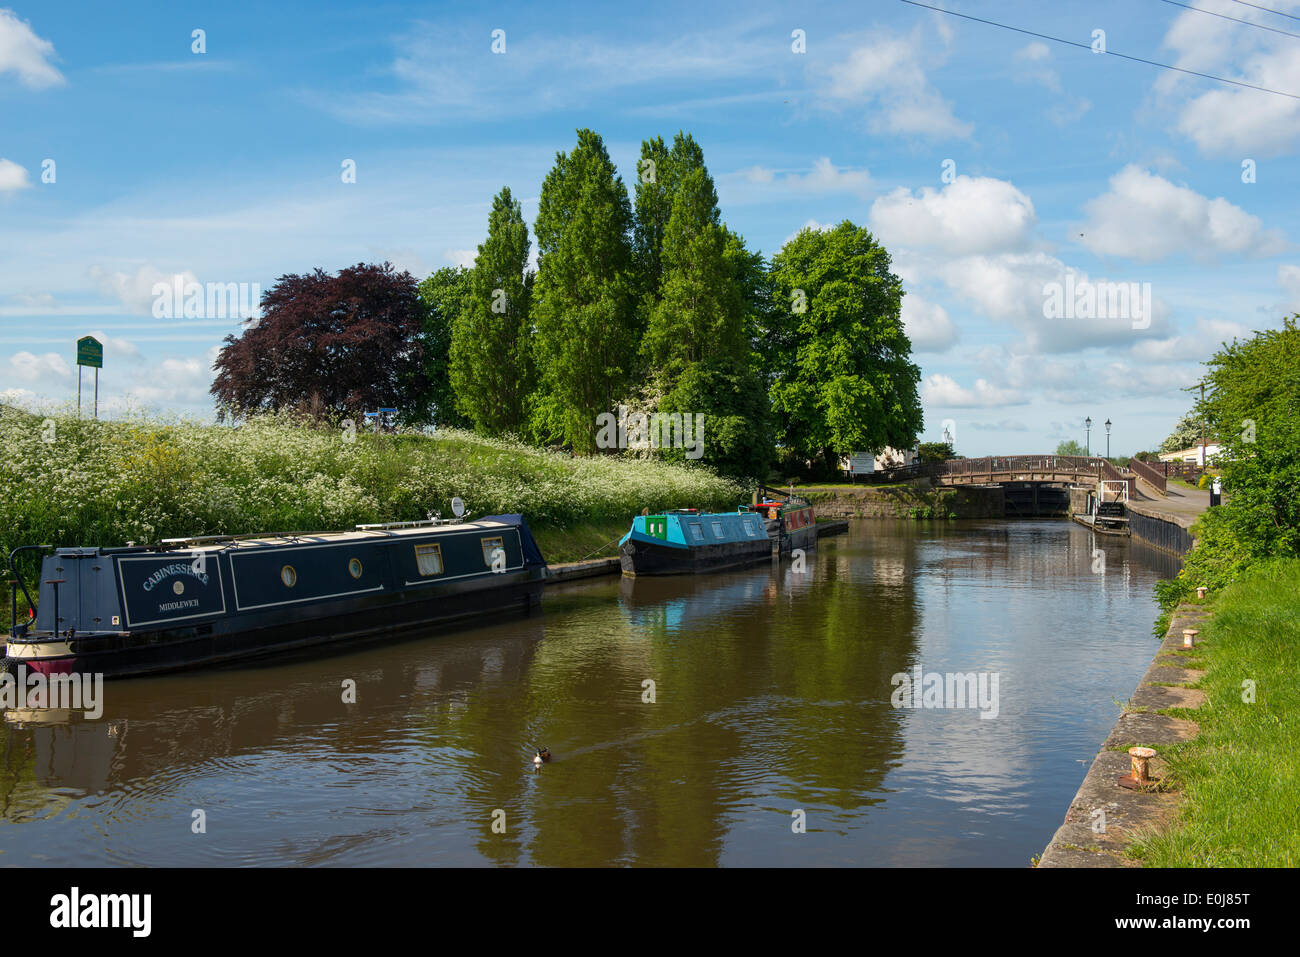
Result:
x=207 y=543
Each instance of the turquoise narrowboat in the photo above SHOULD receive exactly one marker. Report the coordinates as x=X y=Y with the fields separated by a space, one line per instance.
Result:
x=687 y=541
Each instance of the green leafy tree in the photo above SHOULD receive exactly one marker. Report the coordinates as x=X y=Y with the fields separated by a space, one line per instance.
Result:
x=841 y=375
x=492 y=370
x=584 y=305
x=935 y=451
x=1070 y=447
x=1252 y=403
x=660 y=171
x=443 y=293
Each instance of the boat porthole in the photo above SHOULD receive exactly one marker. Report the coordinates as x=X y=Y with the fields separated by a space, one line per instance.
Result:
x=354 y=567
x=288 y=576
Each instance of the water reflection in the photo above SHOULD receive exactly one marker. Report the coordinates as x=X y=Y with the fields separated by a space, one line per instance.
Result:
x=688 y=718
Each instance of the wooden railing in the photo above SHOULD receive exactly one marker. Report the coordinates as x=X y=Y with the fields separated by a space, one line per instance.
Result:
x=1024 y=463
x=1155 y=477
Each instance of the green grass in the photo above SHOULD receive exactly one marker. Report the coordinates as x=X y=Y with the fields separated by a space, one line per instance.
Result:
x=141 y=479
x=1241 y=776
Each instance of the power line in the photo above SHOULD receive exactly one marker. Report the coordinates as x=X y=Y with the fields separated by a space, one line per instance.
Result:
x=1085 y=46
x=1266 y=9
x=1224 y=16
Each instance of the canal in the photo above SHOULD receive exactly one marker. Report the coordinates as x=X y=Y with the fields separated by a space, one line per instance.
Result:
x=737 y=719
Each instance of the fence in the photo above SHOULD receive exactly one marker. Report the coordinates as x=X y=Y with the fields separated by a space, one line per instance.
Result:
x=1155 y=477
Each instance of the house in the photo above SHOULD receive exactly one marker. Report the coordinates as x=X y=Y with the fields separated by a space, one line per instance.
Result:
x=1193 y=455
x=864 y=463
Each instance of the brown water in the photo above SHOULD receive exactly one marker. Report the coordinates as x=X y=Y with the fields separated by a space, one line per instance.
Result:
x=772 y=694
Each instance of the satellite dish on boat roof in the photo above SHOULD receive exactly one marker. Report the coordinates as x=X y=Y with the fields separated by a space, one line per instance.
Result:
x=457 y=507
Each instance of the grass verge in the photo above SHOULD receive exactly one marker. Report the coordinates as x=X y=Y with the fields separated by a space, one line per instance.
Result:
x=1241 y=774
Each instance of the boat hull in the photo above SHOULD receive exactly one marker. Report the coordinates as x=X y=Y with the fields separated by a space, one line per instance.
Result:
x=639 y=557
x=140 y=611
x=181 y=649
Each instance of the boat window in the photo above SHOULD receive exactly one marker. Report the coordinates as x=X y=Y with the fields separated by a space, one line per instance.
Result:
x=749 y=528
x=717 y=529
x=288 y=576
x=696 y=533
x=354 y=567
x=429 y=558
x=490 y=547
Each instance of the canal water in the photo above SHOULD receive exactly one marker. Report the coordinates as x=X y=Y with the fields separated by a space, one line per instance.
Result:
x=767 y=736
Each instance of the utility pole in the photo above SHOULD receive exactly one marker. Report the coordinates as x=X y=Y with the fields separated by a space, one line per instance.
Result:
x=1202 y=424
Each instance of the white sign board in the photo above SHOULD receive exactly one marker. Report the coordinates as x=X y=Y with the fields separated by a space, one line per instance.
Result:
x=862 y=463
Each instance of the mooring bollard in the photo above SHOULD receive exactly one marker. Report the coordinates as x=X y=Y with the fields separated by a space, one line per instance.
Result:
x=1200 y=593
x=1189 y=637
x=1140 y=776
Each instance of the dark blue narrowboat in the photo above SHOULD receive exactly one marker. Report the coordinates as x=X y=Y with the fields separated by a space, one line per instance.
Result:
x=186 y=603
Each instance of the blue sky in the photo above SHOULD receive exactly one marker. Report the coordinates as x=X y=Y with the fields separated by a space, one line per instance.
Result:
x=225 y=166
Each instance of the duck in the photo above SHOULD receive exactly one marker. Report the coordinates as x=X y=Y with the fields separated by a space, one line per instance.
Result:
x=543 y=754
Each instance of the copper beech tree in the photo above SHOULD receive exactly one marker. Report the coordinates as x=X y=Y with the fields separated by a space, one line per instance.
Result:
x=330 y=344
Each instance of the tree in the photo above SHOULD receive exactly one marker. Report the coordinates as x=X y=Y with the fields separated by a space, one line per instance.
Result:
x=584 y=304
x=934 y=451
x=1070 y=447
x=660 y=171
x=838 y=358
x=344 y=343
x=1253 y=402
x=443 y=293
x=1186 y=434
x=699 y=315
x=492 y=370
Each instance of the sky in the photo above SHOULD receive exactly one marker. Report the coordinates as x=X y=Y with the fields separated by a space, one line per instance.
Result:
x=1011 y=177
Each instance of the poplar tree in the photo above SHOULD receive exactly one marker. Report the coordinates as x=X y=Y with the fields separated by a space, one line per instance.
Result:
x=697 y=342
x=492 y=368
x=584 y=304
x=659 y=172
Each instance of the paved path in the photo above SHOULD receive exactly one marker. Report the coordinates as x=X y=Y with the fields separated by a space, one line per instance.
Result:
x=1181 y=505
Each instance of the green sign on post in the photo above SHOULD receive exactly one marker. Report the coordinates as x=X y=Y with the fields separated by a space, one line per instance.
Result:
x=90 y=352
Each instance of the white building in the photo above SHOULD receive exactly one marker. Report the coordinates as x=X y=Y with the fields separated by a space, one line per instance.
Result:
x=1193 y=455
x=864 y=463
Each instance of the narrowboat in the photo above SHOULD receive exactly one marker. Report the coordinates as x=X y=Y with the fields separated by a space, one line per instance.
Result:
x=687 y=541
x=789 y=518
x=186 y=603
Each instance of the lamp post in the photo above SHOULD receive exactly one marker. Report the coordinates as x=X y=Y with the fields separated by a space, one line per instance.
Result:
x=1107 y=438
x=1087 y=436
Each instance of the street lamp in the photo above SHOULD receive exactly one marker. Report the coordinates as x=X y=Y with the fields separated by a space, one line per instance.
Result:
x=1107 y=438
x=1087 y=432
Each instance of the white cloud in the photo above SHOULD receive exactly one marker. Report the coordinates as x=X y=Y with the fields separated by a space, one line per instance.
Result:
x=1015 y=287
x=1288 y=278
x=113 y=346
x=887 y=75
x=12 y=176
x=810 y=224
x=461 y=257
x=1146 y=217
x=1234 y=121
x=1034 y=52
x=135 y=290
x=824 y=177
x=927 y=324
x=26 y=367
x=940 y=390
x=968 y=215
x=1206 y=337
x=25 y=54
